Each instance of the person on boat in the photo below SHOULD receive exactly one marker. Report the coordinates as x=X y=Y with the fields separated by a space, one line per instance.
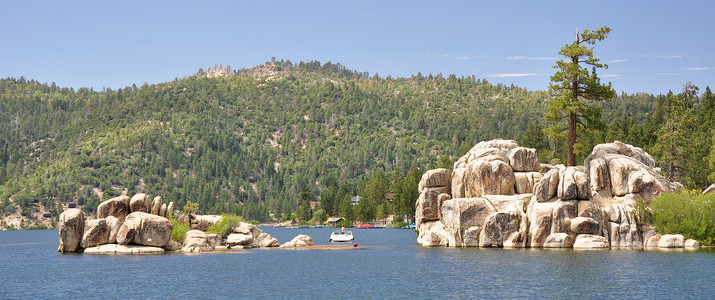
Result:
x=343 y=230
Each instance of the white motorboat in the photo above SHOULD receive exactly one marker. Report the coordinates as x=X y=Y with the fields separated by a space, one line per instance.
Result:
x=338 y=236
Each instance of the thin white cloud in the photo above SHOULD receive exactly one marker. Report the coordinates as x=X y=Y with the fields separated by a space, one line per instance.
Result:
x=611 y=75
x=666 y=74
x=530 y=58
x=662 y=56
x=615 y=61
x=512 y=75
x=438 y=55
x=700 y=69
x=668 y=56
x=464 y=57
x=454 y=57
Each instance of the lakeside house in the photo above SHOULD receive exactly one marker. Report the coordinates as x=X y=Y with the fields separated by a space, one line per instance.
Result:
x=333 y=222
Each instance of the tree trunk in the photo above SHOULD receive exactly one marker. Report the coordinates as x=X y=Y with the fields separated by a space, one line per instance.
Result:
x=572 y=115
x=671 y=171
x=572 y=139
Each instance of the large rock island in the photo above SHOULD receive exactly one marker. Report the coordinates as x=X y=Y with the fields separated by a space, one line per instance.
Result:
x=500 y=195
x=141 y=225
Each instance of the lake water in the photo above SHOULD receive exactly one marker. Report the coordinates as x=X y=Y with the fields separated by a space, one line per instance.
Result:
x=391 y=266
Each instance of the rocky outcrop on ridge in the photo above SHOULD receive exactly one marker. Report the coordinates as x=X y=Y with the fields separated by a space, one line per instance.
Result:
x=500 y=195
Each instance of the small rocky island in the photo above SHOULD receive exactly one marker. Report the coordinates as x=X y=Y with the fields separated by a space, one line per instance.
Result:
x=141 y=225
x=499 y=195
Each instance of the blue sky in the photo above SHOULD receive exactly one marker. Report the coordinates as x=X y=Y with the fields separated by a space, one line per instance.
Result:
x=655 y=46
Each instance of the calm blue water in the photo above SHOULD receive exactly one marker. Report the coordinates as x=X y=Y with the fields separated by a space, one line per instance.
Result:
x=393 y=266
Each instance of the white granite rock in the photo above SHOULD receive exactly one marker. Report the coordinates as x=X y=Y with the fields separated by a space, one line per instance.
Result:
x=589 y=241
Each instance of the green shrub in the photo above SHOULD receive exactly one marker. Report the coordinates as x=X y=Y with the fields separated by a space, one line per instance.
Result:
x=226 y=224
x=345 y=223
x=319 y=216
x=178 y=231
x=37 y=227
x=306 y=223
x=398 y=224
x=289 y=217
x=688 y=213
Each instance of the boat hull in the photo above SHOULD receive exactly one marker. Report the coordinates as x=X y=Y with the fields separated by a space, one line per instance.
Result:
x=341 y=237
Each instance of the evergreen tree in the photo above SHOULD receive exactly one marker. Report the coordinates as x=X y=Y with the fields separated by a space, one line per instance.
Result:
x=346 y=210
x=672 y=142
x=328 y=199
x=381 y=211
x=445 y=162
x=397 y=182
x=707 y=129
x=304 y=203
x=578 y=89
x=410 y=193
x=711 y=157
x=534 y=137
x=375 y=189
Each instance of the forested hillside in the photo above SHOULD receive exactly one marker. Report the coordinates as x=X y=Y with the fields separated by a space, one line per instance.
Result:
x=264 y=142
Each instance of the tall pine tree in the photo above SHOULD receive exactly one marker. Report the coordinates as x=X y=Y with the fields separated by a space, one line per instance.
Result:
x=673 y=135
x=578 y=89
